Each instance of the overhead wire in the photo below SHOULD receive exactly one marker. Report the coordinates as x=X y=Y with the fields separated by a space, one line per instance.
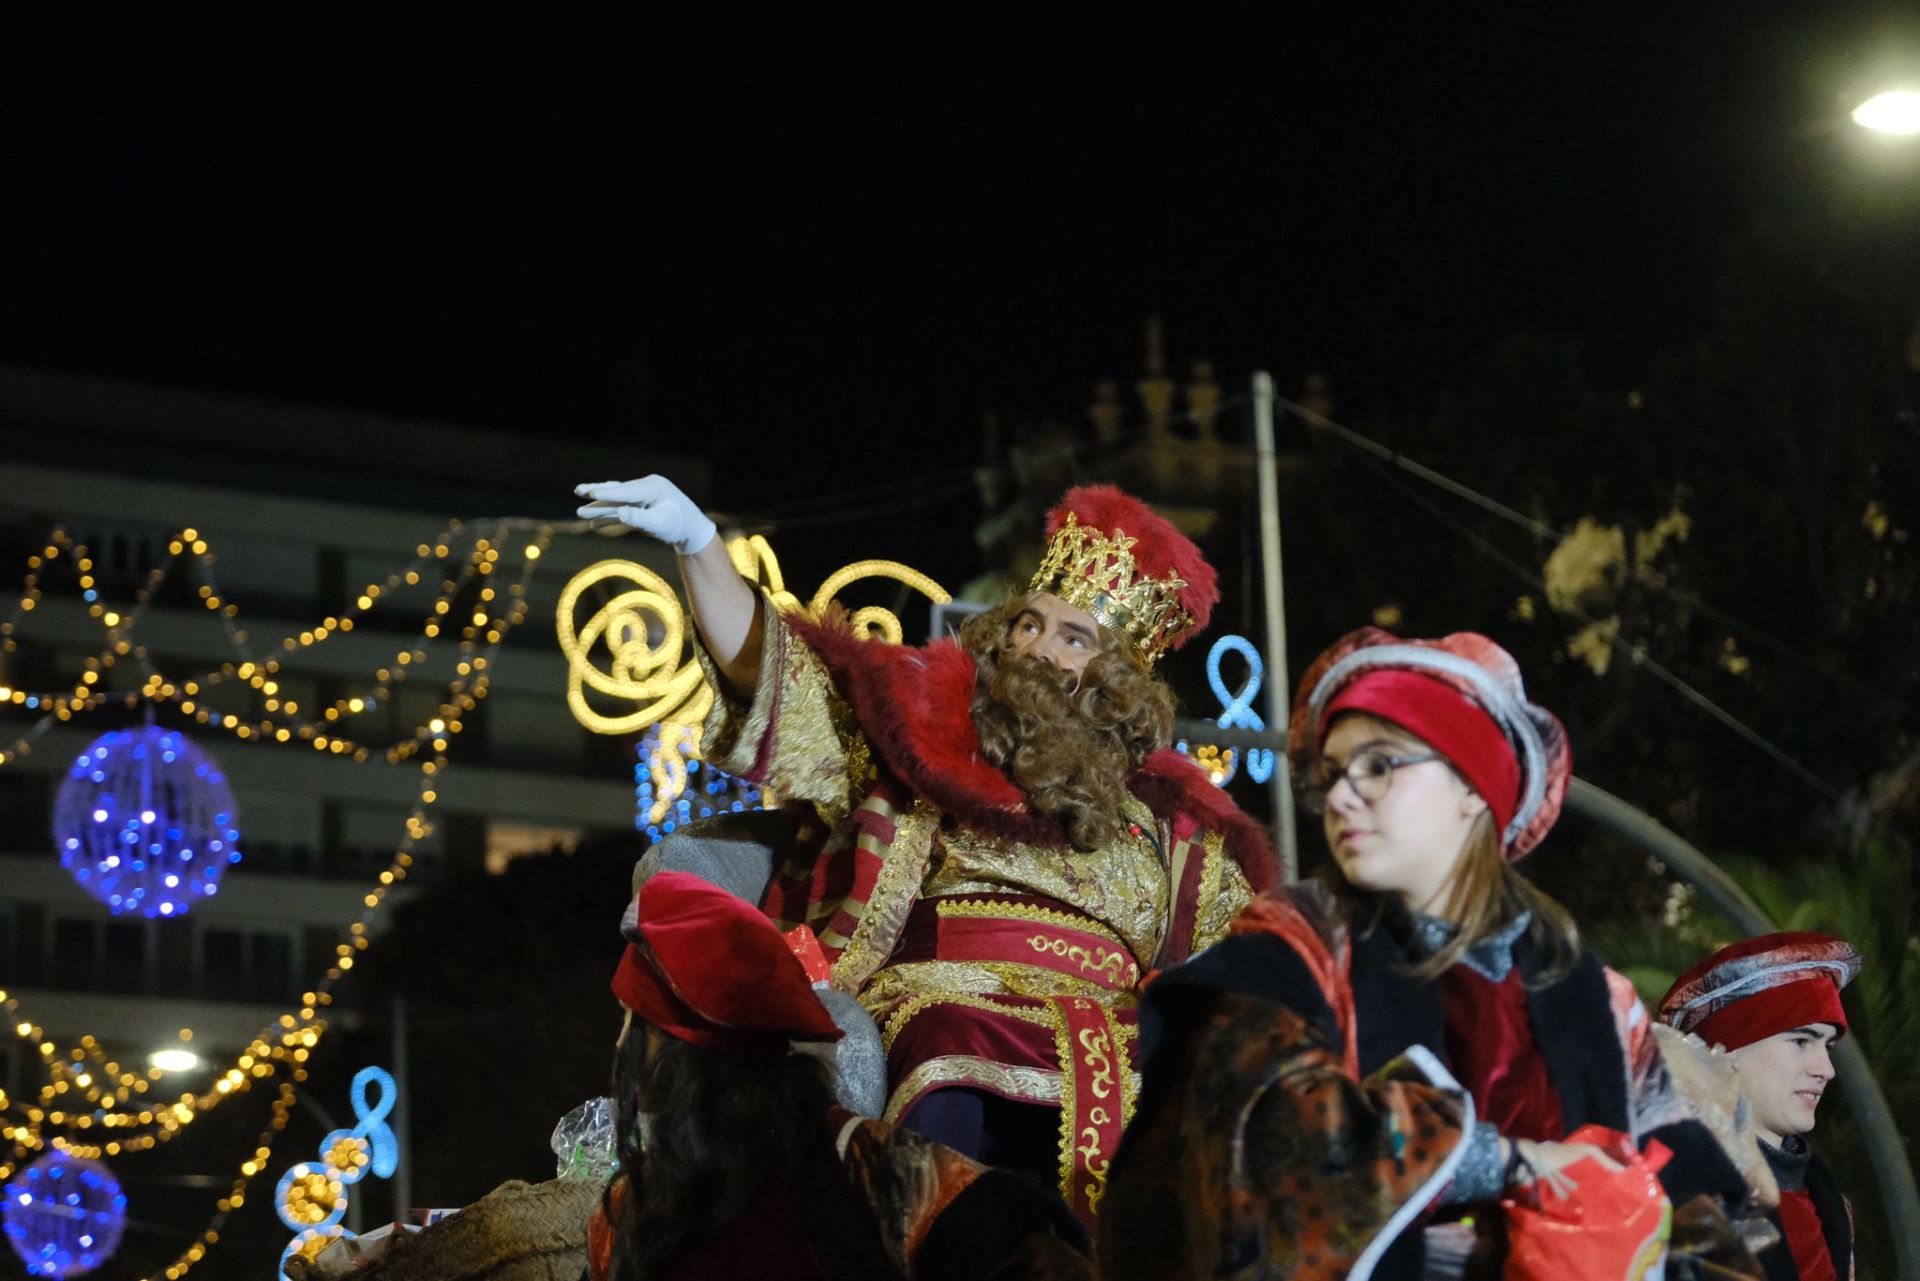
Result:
x=1632 y=653
x=894 y=497
x=1547 y=533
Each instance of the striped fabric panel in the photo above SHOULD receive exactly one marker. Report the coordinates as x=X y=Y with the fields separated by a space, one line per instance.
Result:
x=790 y=891
x=872 y=826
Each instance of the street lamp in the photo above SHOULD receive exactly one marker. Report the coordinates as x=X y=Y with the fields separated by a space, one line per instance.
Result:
x=1897 y=111
x=174 y=1060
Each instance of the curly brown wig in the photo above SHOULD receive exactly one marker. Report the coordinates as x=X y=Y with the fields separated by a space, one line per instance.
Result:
x=1069 y=743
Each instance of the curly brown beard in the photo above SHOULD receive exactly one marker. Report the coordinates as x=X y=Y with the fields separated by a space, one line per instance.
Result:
x=1069 y=745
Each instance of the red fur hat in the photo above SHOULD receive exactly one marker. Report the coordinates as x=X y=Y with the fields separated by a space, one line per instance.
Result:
x=1113 y=556
x=711 y=969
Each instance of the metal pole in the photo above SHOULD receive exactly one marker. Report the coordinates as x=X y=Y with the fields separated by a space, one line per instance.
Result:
x=1898 y=1192
x=403 y=1167
x=1279 y=684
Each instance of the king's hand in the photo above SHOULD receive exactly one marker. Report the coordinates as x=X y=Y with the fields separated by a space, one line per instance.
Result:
x=653 y=505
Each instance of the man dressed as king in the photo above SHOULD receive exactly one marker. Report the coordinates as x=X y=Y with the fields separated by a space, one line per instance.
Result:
x=997 y=843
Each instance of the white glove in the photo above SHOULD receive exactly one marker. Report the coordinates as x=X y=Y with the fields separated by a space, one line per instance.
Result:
x=653 y=505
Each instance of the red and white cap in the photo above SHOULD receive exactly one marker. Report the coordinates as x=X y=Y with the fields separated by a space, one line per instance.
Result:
x=1762 y=987
x=1462 y=695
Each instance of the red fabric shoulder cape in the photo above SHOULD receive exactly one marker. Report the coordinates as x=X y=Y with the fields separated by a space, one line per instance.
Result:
x=915 y=706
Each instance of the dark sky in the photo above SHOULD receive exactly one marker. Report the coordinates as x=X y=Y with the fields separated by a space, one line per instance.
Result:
x=790 y=240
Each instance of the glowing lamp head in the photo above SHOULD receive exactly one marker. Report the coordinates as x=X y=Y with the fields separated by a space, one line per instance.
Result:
x=174 y=1060
x=1896 y=112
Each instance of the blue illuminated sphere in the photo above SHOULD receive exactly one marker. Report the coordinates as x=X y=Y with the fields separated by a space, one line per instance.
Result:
x=145 y=821
x=64 y=1215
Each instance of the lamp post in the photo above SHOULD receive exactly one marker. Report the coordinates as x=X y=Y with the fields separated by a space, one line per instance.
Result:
x=1895 y=112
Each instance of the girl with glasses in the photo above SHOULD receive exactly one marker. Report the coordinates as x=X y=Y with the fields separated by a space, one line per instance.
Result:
x=1433 y=775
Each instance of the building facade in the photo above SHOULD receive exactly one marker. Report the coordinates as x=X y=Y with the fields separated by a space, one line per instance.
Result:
x=299 y=511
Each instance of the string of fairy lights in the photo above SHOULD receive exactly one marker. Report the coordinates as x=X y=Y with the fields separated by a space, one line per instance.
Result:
x=281 y=720
x=90 y=1105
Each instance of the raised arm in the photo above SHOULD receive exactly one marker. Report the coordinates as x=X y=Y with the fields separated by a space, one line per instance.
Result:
x=726 y=608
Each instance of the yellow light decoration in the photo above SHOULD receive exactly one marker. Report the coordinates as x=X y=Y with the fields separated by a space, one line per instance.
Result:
x=91 y=1074
x=873 y=616
x=662 y=678
x=347 y=1155
x=638 y=671
x=753 y=557
x=1219 y=762
x=313 y=1196
x=87 y=696
x=668 y=765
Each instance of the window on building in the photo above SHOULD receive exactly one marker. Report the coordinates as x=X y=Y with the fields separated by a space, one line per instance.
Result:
x=246 y=963
x=509 y=841
x=272 y=967
x=124 y=950
x=121 y=554
x=25 y=811
x=223 y=964
x=76 y=960
x=88 y=954
x=9 y=942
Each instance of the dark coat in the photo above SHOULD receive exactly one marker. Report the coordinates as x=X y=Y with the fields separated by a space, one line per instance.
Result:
x=1573 y=1019
x=1836 y=1223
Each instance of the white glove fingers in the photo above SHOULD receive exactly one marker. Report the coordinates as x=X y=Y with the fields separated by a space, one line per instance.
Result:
x=647 y=489
x=654 y=505
x=597 y=511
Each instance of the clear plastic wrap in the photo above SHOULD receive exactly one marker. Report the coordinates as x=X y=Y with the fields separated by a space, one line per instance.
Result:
x=583 y=1143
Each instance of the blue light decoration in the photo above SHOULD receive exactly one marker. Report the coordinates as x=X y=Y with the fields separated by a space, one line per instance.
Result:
x=672 y=788
x=64 y=1215
x=1236 y=712
x=146 y=823
x=312 y=1196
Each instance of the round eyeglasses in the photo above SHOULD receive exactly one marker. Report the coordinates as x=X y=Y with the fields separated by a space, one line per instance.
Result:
x=1369 y=773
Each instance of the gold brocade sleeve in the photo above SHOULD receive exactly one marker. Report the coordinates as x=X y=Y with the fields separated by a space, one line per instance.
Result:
x=1223 y=894
x=797 y=737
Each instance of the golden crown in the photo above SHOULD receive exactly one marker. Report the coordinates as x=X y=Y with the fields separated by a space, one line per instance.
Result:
x=1093 y=570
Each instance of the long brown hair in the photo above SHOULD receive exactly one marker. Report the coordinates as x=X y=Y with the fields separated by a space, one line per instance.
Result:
x=722 y=1129
x=1069 y=743
x=1487 y=893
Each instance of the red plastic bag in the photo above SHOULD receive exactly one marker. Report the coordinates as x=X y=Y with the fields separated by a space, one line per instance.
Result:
x=806 y=949
x=1606 y=1226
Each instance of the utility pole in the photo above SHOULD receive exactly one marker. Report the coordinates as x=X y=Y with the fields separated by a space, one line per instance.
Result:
x=1279 y=683
x=403 y=1168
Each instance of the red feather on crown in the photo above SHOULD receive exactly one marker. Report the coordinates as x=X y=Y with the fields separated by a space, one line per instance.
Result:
x=1113 y=556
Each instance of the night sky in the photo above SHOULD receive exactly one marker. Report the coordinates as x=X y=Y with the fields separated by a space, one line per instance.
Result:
x=783 y=242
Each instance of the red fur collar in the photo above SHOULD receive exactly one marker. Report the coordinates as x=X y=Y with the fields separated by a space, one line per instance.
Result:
x=915 y=706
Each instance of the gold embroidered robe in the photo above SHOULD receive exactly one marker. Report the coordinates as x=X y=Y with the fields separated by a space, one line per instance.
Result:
x=991 y=953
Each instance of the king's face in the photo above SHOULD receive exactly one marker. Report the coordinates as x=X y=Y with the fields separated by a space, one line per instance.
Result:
x=1052 y=631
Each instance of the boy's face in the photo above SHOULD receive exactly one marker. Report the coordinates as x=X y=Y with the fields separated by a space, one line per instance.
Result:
x=1784 y=1076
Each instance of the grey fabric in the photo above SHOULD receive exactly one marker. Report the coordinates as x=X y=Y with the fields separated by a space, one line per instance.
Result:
x=1789 y=1161
x=1481 y=1175
x=1491 y=958
x=859 y=1063
x=736 y=852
